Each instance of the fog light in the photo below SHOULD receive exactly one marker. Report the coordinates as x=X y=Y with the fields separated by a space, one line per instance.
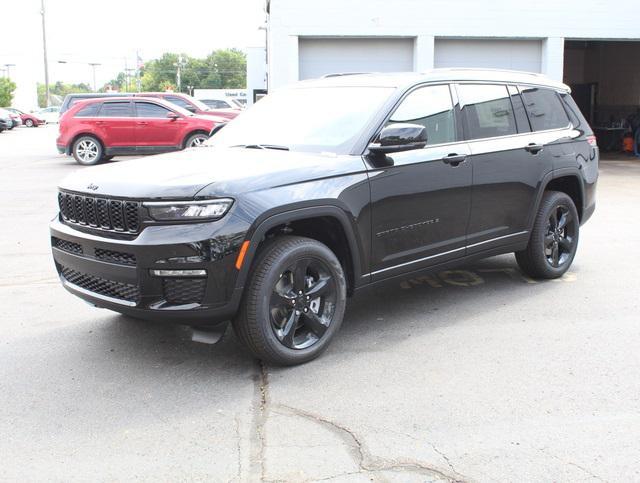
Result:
x=179 y=273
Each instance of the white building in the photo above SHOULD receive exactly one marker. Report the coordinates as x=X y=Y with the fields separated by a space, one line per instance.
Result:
x=590 y=44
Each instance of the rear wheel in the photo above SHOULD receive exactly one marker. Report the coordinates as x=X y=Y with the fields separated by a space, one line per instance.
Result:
x=554 y=239
x=195 y=140
x=28 y=122
x=87 y=150
x=294 y=303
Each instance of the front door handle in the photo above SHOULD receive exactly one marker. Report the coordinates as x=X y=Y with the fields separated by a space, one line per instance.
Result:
x=454 y=159
x=143 y=123
x=534 y=148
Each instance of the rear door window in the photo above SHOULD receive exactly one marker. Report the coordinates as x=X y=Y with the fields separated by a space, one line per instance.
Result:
x=432 y=108
x=544 y=108
x=486 y=111
x=116 y=109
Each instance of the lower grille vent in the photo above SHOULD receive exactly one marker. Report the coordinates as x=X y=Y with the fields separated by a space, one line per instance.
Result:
x=184 y=290
x=101 y=286
x=67 y=246
x=113 y=256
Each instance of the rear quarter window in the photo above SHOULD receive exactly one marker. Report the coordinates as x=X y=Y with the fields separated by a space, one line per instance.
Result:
x=544 y=108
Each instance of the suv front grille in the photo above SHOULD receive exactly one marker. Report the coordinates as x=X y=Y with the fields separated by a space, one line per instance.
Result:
x=100 y=213
x=101 y=286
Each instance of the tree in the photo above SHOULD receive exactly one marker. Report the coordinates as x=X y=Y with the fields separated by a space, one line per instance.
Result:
x=222 y=69
x=58 y=91
x=7 y=86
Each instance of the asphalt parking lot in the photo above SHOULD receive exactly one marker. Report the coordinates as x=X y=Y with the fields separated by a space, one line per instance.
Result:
x=476 y=374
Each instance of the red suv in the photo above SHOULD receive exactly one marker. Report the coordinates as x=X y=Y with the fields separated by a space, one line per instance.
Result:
x=98 y=129
x=193 y=105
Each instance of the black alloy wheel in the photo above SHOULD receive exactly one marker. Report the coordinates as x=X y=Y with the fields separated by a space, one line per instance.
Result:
x=554 y=239
x=294 y=302
x=560 y=237
x=303 y=303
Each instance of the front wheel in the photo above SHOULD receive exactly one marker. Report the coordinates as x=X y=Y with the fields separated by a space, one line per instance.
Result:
x=28 y=123
x=87 y=150
x=195 y=140
x=294 y=302
x=554 y=239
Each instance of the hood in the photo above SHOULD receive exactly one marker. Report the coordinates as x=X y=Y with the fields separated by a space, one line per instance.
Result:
x=224 y=171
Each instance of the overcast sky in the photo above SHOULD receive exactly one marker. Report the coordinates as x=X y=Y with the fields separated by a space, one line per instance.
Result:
x=107 y=32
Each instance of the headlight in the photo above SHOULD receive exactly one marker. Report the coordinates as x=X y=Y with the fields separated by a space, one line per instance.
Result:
x=188 y=210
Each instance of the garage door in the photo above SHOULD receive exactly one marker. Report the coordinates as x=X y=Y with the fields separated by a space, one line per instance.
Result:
x=318 y=57
x=494 y=54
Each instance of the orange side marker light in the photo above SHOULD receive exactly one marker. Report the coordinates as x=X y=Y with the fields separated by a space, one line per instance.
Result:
x=243 y=252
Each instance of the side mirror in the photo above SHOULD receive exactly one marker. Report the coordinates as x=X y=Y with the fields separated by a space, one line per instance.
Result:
x=400 y=137
x=191 y=109
x=172 y=115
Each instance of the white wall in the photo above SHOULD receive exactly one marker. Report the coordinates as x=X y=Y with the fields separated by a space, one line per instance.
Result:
x=256 y=71
x=549 y=21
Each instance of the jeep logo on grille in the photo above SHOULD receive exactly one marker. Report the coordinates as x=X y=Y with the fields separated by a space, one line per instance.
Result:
x=92 y=187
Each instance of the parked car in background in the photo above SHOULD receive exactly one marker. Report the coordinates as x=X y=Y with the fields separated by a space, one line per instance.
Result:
x=15 y=119
x=223 y=103
x=182 y=100
x=326 y=187
x=48 y=114
x=98 y=129
x=29 y=120
x=6 y=122
x=194 y=105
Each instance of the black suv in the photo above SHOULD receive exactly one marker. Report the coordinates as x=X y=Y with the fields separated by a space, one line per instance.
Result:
x=324 y=188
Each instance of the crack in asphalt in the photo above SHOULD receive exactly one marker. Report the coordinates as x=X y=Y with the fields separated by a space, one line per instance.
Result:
x=582 y=468
x=260 y=415
x=367 y=462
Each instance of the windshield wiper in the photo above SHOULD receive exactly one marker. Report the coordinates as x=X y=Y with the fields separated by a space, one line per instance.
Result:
x=261 y=146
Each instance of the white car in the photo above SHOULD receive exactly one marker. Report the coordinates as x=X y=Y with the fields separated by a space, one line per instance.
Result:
x=49 y=114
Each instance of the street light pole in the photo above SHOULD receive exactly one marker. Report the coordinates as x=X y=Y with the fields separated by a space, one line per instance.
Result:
x=46 y=64
x=8 y=69
x=93 y=67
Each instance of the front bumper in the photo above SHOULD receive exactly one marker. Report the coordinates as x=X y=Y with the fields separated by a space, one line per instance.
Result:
x=62 y=149
x=116 y=273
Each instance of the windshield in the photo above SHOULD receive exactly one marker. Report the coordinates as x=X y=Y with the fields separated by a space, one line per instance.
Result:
x=312 y=119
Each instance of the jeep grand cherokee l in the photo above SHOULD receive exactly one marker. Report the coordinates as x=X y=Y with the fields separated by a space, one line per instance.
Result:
x=98 y=129
x=326 y=187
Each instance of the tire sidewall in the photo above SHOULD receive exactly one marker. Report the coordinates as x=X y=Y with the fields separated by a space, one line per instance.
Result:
x=554 y=201
x=98 y=157
x=313 y=250
x=190 y=139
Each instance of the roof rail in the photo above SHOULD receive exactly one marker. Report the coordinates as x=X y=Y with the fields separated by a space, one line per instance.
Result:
x=340 y=74
x=478 y=69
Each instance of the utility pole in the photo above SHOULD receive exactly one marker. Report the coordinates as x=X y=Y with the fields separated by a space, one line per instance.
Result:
x=93 y=67
x=46 y=64
x=178 y=73
x=8 y=69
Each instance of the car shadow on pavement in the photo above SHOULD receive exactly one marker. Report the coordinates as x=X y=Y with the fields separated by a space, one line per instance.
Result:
x=375 y=319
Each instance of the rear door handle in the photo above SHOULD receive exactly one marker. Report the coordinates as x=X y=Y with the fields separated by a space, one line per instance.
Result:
x=454 y=159
x=143 y=123
x=534 y=148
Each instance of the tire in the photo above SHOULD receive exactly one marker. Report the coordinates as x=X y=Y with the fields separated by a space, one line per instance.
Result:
x=281 y=323
x=554 y=239
x=195 y=140
x=29 y=123
x=106 y=158
x=87 y=150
